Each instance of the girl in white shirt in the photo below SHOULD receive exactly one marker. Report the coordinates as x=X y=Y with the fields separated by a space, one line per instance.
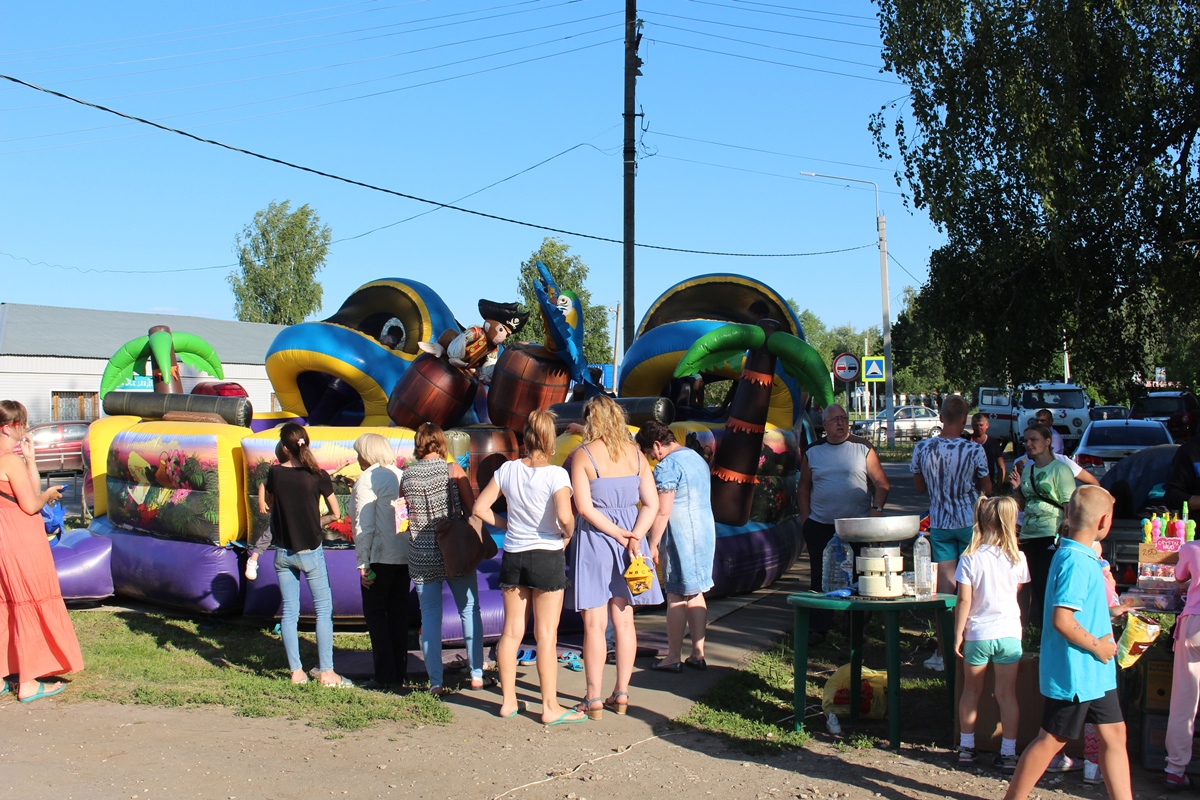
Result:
x=987 y=624
x=533 y=567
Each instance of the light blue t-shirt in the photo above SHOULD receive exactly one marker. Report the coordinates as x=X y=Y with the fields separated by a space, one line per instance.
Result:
x=950 y=468
x=1076 y=582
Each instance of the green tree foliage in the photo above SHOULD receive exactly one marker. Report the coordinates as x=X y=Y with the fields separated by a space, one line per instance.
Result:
x=1054 y=142
x=279 y=254
x=569 y=272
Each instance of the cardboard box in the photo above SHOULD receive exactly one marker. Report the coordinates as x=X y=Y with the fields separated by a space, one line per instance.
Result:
x=1156 y=683
x=1029 y=701
x=1154 y=751
x=1151 y=554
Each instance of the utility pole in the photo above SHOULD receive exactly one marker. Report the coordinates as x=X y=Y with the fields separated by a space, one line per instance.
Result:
x=633 y=63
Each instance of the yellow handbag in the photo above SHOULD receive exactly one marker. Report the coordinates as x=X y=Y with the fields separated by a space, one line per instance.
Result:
x=639 y=576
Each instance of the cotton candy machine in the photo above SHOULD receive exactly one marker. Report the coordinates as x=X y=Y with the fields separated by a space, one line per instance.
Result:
x=879 y=565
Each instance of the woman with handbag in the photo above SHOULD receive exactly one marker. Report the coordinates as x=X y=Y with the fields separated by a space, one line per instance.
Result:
x=533 y=567
x=1046 y=486
x=609 y=476
x=437 y=491
x=37 y=639
x=382 y=556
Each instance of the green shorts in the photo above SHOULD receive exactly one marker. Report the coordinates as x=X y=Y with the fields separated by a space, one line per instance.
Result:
x=948 y=544
x=997 y=651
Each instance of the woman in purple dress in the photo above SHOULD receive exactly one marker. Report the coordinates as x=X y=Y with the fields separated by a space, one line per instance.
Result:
x=609 y=476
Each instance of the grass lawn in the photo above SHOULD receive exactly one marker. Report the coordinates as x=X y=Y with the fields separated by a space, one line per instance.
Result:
x=163 y=660
x=752 y=708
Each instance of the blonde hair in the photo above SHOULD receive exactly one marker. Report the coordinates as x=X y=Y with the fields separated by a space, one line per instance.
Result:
x=996 y=524
x=539 y=435
x=374 y=449
x=604 y=420
x=429 y=438
x=1087 y=505
x=954 y=409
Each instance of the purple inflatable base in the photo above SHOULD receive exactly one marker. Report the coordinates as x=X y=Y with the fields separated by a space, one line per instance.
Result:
x=192 y=576
x=83 y=561
x=747 y=560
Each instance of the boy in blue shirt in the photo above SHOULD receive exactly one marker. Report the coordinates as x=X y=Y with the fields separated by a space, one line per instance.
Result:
x=1078 y=674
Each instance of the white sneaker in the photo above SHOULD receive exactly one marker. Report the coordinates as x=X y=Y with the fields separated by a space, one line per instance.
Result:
x=832 y=725
x=1091 y=773
x=252 y=570
x=935 y=663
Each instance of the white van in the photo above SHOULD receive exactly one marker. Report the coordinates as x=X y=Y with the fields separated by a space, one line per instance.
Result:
x=1011 y=411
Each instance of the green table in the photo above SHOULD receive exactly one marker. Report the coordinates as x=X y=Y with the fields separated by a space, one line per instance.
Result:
x=805 y=602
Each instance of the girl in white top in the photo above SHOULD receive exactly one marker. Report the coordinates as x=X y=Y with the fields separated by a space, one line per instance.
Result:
x=533 y=566
x=987 y=624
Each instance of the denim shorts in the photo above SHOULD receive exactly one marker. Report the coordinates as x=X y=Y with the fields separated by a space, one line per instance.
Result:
x=948 y=544
x=540 y=570
x=997 y=651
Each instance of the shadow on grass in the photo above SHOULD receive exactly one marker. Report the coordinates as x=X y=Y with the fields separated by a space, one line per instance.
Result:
x=161 y=660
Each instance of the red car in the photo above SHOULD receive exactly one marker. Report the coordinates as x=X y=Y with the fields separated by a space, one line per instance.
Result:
x=1179 y=411
x=58 y=446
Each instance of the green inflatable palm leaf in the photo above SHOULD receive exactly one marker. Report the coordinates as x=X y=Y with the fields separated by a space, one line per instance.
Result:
x=802 y=362
x=722 y=347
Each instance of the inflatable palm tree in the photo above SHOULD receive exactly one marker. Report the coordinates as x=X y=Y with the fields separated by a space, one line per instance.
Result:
x=761 y=345
x=161 y=351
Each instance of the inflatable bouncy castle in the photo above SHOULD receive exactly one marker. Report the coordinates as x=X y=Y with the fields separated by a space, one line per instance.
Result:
x=172 y=479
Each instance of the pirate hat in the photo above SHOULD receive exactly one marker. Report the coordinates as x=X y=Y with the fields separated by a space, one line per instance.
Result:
x=508 y=314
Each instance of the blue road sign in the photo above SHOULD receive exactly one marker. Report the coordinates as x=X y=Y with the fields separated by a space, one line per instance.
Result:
x=872 y=369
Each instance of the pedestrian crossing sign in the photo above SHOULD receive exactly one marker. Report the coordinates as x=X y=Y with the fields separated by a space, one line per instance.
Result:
x=873 y=369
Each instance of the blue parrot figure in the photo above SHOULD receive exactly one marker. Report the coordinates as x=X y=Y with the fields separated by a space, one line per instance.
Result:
x=562 y=314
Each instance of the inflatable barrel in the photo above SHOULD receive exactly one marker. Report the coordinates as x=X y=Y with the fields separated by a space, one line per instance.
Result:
x=638 y=411
x=152 y=405
x=431 y=390
x=527 y=378
x=490 y=447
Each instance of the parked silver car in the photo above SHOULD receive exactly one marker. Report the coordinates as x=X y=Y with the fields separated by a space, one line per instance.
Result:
x=1107 y=441
x=912 y=422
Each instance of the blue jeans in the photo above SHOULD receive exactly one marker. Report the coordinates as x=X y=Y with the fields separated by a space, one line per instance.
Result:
x=288 y=566
x=466 y=596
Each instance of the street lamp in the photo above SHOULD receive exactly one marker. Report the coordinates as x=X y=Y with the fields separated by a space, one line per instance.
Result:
x=881 y=228
x=616 y=312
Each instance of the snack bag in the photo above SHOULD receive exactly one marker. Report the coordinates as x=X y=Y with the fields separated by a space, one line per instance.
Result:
x=1140 y=633
x=638 y=576
x=872 y=693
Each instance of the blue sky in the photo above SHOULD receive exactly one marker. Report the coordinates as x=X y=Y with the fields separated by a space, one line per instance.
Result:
x=439 y=99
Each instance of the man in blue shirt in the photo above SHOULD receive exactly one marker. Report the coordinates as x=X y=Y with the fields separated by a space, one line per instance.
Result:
x=1078 y=676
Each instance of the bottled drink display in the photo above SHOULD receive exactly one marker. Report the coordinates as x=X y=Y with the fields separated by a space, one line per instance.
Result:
x=922 y=567
x=837 y=566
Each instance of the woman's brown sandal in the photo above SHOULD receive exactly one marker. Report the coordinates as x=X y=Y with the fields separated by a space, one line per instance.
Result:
x=616 y=703
x=593 y=713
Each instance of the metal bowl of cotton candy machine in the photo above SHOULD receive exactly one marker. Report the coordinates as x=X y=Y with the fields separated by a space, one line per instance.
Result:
x=873 y=530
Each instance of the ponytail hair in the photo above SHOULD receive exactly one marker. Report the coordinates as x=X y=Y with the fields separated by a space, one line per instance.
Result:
x=294 y=439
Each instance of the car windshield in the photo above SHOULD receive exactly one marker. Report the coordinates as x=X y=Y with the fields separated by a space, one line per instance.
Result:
x=1053 y=398
x=1126 y=436
x=1159 y=406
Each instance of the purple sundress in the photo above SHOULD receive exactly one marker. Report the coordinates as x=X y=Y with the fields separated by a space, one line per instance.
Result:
x=596 y=561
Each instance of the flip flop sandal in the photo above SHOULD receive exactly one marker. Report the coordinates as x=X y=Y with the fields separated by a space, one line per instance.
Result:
x=3 y=687
x=343 y=683
x=485 y=682
x=575 y=666
x=562 y=720
x=567 y=657
x=530 y=658
x=457 y=664
x=41 y=692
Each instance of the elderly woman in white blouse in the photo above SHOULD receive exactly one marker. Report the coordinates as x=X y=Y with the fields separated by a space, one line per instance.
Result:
x=382 y=560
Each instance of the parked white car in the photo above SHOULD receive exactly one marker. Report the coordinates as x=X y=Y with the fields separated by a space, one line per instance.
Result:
x=1107 y=441
x=912 y=422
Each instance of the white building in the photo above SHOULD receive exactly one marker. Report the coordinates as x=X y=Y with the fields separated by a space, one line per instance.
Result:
x=51 y=359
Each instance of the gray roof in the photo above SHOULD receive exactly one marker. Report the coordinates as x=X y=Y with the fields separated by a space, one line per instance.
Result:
x=28 y=330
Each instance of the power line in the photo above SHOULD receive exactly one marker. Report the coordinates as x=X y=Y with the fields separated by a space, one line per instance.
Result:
x=770 y=47
x=805 y=10
x=789 y=16
x=405 y=195
x=777 y=63
x=653 y=132
x=362 y=83
x=754 y=171
x=872 y=45
x=86 y=270
x=322 y=67
x=901 y=266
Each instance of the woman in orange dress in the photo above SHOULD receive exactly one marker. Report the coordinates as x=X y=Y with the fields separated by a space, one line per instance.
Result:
x=37 y=639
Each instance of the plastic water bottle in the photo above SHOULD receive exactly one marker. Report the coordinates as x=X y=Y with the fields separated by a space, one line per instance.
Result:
x=922 y=567
x=834 y=576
